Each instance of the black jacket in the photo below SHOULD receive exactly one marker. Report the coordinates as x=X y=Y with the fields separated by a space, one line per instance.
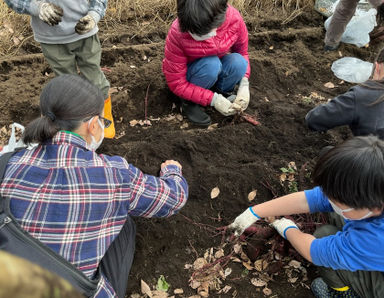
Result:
x=352 y=108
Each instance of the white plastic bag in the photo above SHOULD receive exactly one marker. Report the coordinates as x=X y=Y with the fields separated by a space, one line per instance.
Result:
x=352 y=70
x=13 y=143
x=357 y=30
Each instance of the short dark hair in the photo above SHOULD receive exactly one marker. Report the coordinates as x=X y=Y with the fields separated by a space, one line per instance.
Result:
x=201 y=16
x=64 y=102
x=352 y=173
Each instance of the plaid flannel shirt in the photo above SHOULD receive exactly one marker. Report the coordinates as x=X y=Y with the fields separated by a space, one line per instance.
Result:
x=29 y=6
x=76 y=201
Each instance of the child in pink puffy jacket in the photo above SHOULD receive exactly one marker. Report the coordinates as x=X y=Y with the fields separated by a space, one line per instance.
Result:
x=207 y=49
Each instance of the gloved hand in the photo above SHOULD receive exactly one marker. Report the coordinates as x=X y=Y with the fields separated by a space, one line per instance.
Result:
x=50 y=13
x=243 y=95
x=243 y=221
x=224 y=106
x=282 y=225
x=85 y=24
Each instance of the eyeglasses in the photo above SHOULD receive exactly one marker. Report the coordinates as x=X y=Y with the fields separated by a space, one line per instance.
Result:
x=107 y=123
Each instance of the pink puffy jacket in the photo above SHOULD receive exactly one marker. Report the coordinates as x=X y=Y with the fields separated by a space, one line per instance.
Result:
x=181 y=49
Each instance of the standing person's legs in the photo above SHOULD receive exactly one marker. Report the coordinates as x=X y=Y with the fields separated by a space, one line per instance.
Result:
x=88 y=57
x=234 y=67
x=117 y=261
x=60 y=57
x=343 y=13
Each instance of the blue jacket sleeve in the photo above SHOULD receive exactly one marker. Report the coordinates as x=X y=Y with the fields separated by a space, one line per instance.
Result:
x=98 y=6
x=317 y=200
x=24 y=6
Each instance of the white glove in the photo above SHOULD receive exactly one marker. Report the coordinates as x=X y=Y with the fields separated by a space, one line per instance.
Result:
x=242 y=97
x=85 y=24
x=224 y=106
x=282 y=225
x=243 y=221
x=50 y=13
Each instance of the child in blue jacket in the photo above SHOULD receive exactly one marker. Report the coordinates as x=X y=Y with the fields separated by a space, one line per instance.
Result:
x=350 y=182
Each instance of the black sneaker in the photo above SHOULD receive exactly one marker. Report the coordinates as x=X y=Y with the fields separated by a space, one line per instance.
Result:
x=195 y=114
x=321 y=290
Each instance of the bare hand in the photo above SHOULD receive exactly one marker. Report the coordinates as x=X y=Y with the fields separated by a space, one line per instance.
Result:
x=171 y=162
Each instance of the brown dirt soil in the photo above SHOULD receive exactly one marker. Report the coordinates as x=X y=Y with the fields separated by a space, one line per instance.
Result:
x=287 y=63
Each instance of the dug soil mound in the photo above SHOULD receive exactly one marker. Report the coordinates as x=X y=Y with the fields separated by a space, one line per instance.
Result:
x=289 y=70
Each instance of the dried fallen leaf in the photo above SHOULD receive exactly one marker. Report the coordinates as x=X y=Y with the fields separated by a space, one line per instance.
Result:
x=194 y=284
x=113 y=90
x=188 y=266
x=179 y=117
x=213 y=126
x=294 y=264
x=159 y=294
x=184 y=125
x=257 y=282
x=178 y=291
x=219 y=254
x=329 y=85
x=133 y=122
x=267 y=291
x=225 y=290
x=252 y=195
x=203 y=290
x=145 y=289
x=248 y=266
x=227 y=271
x=199 y=263
x=292 y=280
x=215 y=192
x=237 y=248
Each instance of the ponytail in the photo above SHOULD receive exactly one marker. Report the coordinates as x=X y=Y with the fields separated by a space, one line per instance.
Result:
x=65 y=102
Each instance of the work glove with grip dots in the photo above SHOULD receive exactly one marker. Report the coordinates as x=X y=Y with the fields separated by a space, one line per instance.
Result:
x=282 y=225
x=224 y=106
x=243 y=95
x=243 y=221
x=85 y=24
x=50 y=13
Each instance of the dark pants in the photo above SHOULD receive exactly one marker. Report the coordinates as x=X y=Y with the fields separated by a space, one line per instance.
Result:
x=117 y=261
x=367 y=284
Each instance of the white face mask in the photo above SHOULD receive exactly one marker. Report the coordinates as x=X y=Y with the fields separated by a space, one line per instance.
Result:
x=94 y=145
x=340 y=211
x=203 y=37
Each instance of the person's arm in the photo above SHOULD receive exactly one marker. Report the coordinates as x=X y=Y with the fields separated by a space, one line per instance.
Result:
x=97 y=9
x=339 y=111
x=287 y=205
x=24 y=6
x=175 y=72
x=301 y=242
x=241 y=45
x=151 y=196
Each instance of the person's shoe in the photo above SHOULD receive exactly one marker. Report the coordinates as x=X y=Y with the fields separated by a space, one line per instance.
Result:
x=195 y=114
x=330 y=48
x=321 y=290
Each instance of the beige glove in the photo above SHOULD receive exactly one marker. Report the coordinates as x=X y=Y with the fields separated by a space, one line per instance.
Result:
x=282 y=225
x=242 y=97
x=85 y=24
x=224 y=106
x=50 y=13
x=243 y=221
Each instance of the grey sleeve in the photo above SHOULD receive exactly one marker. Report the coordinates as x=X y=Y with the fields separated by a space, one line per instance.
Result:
x=339 y=111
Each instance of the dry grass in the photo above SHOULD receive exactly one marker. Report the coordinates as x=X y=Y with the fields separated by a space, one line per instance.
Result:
x=15 y=29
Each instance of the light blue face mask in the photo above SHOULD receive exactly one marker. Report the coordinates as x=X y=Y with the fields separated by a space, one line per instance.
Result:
x=203 y=37
x=340 y=211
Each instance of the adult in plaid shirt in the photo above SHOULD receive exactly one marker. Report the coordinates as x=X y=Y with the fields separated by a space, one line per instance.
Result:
x=78 y=202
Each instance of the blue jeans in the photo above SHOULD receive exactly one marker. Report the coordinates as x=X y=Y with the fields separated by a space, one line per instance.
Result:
x=225 y=73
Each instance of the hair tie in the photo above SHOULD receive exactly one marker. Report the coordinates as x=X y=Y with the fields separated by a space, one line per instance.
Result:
x=51 y=116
